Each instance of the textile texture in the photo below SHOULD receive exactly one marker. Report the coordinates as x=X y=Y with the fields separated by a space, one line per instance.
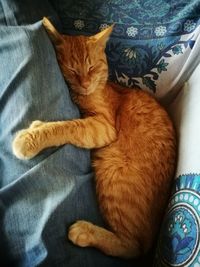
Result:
x=154 y=44
x=179 y=242
x=40 y=198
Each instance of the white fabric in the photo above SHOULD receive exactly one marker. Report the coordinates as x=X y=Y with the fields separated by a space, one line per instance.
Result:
x=185 y=112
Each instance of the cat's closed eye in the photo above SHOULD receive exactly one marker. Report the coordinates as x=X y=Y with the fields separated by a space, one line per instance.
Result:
x=71 y=70
x=94 y=67
x=91 y=68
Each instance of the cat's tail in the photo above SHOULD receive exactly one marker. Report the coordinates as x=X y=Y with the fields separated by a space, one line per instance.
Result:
x=85 y=234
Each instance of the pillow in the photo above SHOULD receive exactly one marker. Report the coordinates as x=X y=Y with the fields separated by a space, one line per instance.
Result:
x=179 y=242
x=154 y=44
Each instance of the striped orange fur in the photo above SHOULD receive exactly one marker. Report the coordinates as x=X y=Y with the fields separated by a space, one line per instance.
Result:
x=133 y=142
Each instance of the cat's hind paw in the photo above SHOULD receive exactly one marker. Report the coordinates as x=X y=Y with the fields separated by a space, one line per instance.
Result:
x=81 y=233
x=24 y=145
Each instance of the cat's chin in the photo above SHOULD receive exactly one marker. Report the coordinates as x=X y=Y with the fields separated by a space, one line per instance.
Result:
x=84 y=92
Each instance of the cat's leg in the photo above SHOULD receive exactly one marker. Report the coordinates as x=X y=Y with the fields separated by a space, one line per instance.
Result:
x=86 y=234
x=27 y=143
x=91 y=132
x=37 y=123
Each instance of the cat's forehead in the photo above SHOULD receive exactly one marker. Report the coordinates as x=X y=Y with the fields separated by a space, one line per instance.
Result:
x=79 y=42
x=77 y=46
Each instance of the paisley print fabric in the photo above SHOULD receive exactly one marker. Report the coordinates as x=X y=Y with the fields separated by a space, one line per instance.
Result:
x=179 y=243
x=154 y=44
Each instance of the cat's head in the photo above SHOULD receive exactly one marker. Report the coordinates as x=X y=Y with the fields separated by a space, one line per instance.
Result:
x=82 y=59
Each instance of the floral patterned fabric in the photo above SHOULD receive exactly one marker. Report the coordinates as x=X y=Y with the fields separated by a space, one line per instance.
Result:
x=154 y=44
x=179 y=244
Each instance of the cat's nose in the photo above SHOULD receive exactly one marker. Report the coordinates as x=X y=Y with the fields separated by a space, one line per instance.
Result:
x=85 y=83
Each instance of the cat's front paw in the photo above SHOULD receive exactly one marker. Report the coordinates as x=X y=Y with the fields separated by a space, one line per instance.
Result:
x=81 y=233
x=25 y=145
x=36 y=124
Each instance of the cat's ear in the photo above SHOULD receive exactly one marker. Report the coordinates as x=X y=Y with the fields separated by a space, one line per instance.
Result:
x=102 y=37
x=54 y=35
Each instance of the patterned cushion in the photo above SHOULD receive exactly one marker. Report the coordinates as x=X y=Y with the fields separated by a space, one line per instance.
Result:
x=152 y=42
x=179 y=243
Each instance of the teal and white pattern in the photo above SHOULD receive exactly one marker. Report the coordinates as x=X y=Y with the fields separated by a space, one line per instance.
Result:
x=179 y=243
x=151 y=41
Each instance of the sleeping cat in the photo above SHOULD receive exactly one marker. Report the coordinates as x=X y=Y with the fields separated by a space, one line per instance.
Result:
x=133 y=142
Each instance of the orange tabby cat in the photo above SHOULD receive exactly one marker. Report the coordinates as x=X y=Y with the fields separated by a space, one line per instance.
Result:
x=133 y=144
